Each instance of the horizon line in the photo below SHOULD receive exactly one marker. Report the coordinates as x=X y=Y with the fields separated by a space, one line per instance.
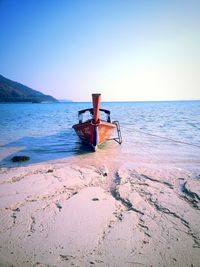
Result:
x=169 y=100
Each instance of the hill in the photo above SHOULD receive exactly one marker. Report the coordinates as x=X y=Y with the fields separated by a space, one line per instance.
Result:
x=11 y=91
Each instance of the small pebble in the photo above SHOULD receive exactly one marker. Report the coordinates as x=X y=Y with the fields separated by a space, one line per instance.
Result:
x=17 y=209
x=95 y=199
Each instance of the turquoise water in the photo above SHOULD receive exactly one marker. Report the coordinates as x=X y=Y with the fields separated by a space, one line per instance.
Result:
x=44 y=131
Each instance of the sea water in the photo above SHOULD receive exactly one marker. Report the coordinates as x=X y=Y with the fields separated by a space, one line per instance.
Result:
x=158 y=131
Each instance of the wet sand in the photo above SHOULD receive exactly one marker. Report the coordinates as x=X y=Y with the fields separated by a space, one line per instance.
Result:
x=83 y=212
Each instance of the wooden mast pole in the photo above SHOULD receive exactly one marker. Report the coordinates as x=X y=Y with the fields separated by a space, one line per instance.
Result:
x=96 y=98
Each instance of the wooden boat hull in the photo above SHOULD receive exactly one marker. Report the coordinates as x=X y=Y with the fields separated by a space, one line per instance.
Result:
x=94 y=134
x=96 y=131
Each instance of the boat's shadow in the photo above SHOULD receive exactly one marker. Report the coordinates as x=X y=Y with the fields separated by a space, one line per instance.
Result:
x=42 y=148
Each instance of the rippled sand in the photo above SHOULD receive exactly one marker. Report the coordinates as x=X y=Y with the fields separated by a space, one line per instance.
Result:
x=76 y=213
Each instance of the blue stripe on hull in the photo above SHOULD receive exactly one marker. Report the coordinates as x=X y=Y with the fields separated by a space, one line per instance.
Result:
x=95 y=140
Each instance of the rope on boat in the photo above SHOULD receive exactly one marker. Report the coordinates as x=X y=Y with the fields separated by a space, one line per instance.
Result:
x=167 y=138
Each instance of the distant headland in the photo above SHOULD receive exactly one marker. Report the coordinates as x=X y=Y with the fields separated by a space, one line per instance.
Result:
x=64 y=100
x=11 y=91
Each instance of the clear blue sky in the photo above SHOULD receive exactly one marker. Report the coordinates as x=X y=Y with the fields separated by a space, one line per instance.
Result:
x=124 y=49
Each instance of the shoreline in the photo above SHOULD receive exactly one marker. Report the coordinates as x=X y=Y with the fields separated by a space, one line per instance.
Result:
x=87 y=213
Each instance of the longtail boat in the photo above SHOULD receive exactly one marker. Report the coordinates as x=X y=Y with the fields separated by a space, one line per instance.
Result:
x=95 y=131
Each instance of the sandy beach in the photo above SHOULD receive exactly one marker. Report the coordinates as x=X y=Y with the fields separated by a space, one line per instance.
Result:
x=83 y=212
